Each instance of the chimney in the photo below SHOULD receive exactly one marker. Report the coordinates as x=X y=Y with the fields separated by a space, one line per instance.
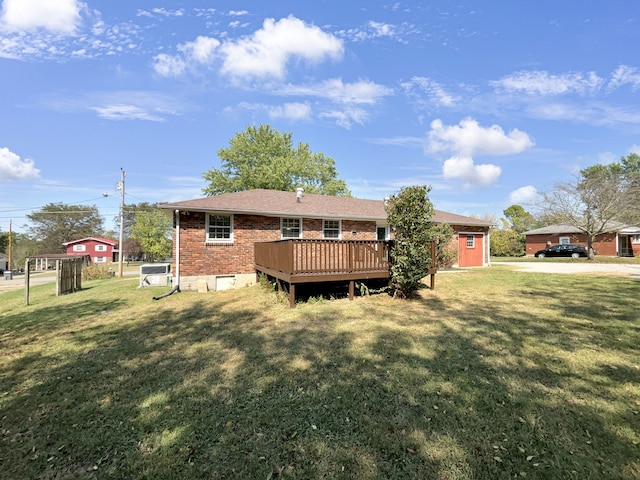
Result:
x=299 y=194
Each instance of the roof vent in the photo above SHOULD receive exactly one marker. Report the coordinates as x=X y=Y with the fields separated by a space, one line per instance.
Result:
x=299 y=194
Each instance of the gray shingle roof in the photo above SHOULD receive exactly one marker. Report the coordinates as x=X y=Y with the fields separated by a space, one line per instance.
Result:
x=278 y=203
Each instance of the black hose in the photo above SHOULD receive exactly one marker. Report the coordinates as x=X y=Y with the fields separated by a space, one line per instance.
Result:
x=170 y=292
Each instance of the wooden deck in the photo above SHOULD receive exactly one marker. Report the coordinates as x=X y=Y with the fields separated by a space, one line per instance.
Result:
x=308 y=261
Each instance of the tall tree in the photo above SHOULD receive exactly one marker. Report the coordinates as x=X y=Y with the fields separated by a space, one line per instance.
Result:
x=4 y=241
x=410 y=214
x=519 y=219
x=262 y=157
x=130 y=211
x=601 y=197
x=153 y=230
x=57 y=223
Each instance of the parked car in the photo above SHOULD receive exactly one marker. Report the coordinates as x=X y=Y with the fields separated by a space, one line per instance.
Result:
x=564 y=250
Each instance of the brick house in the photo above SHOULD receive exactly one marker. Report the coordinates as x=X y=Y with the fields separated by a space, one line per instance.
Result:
x=620 y=240
x=101 y=250
x=214 y=236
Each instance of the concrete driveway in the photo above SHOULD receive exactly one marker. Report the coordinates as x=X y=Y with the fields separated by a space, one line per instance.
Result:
x=581 y=267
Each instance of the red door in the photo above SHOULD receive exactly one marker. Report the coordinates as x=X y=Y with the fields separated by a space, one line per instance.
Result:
x=470 y=250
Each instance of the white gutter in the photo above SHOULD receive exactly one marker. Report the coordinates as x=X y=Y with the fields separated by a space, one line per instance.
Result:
x=177 y=248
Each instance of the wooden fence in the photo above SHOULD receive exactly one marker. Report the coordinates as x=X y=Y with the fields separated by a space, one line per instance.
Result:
x=68 y=275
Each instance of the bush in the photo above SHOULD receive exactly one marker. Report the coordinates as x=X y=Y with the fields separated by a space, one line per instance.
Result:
x=96 y=272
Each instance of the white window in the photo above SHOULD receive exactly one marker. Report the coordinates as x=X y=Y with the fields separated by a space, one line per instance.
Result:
x=220 y=228
x=291 y=227
x=564 y=240
x=101 y=248
x=382 y=233
x=79 y=248
x=471 y=241
x=636 y=239
x=331 y=228
x=100 y=259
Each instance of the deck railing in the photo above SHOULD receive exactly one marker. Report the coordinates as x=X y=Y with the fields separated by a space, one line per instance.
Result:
x=322 y=257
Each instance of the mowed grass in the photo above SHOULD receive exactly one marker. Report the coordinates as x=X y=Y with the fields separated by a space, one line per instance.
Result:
x=496 y=374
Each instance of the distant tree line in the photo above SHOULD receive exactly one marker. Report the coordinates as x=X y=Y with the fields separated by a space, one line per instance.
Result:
x=147 y=231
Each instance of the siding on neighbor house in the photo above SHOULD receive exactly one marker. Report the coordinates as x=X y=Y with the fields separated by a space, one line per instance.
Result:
x=604 y=244
x=201 y=258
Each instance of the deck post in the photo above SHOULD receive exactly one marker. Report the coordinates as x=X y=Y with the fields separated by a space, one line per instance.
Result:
x=433 y=281
x=351 y=289
x=292 y=295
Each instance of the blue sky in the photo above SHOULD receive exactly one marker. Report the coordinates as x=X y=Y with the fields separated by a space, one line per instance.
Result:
x=488 y=102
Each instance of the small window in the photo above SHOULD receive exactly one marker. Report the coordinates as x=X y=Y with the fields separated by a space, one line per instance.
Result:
x=564 y=240
x=382 y=233
x=220 y=228
x=79 y=248
x=471 y=241
x=291 y=228
x=101 y=248
x=331 y=228
x=100 y=259
x=636 y=239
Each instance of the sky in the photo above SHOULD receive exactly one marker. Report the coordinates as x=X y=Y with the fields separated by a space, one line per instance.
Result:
x=490 y=103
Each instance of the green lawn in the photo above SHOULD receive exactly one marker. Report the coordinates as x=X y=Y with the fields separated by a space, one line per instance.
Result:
x=496 y=374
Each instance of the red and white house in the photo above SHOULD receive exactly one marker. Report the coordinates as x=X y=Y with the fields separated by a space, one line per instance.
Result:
x=214 y=236
x=101 y=250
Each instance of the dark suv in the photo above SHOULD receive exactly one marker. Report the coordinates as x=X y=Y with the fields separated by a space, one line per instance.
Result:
x=564 y=250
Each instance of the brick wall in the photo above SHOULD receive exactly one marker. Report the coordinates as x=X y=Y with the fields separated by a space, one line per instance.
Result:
x=199 y=258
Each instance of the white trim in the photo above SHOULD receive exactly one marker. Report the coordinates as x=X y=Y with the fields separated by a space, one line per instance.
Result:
x=485 y=253
x=339 y=237
x=282 y=237
x=207 y=227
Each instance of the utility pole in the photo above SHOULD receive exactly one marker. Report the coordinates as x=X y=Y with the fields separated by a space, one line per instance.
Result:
x=9 y=250
x=120 y=246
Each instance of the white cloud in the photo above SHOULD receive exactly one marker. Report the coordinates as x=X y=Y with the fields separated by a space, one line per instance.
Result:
x=126 y=112
x=361 y=92
x=168 y=65
x=527 y=195
x=267 y=52
x=199 y=52
x=544 y=83
x=14 y=168
x=463 y=168
x=435 y=92
x=635 y=149
x=291 y=111
x=347 y=116
x=468 y=138
x=57 y=16
x=624 y=75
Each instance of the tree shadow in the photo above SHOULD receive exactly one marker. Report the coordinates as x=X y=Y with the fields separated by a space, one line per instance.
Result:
x=219 y=387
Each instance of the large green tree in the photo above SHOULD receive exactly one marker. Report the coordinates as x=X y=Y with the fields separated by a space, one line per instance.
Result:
x=410 y=214
x=519 y=219
x=262 y=157
x=153 y=230
x=57 y=223
x=602 y=197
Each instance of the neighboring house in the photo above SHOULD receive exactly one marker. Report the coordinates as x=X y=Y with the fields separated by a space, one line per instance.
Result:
x=101 y=250
x=619 y=240
x=4 y=262
x=214 y=236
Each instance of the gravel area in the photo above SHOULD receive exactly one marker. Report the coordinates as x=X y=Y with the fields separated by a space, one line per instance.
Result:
x=547 y=267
